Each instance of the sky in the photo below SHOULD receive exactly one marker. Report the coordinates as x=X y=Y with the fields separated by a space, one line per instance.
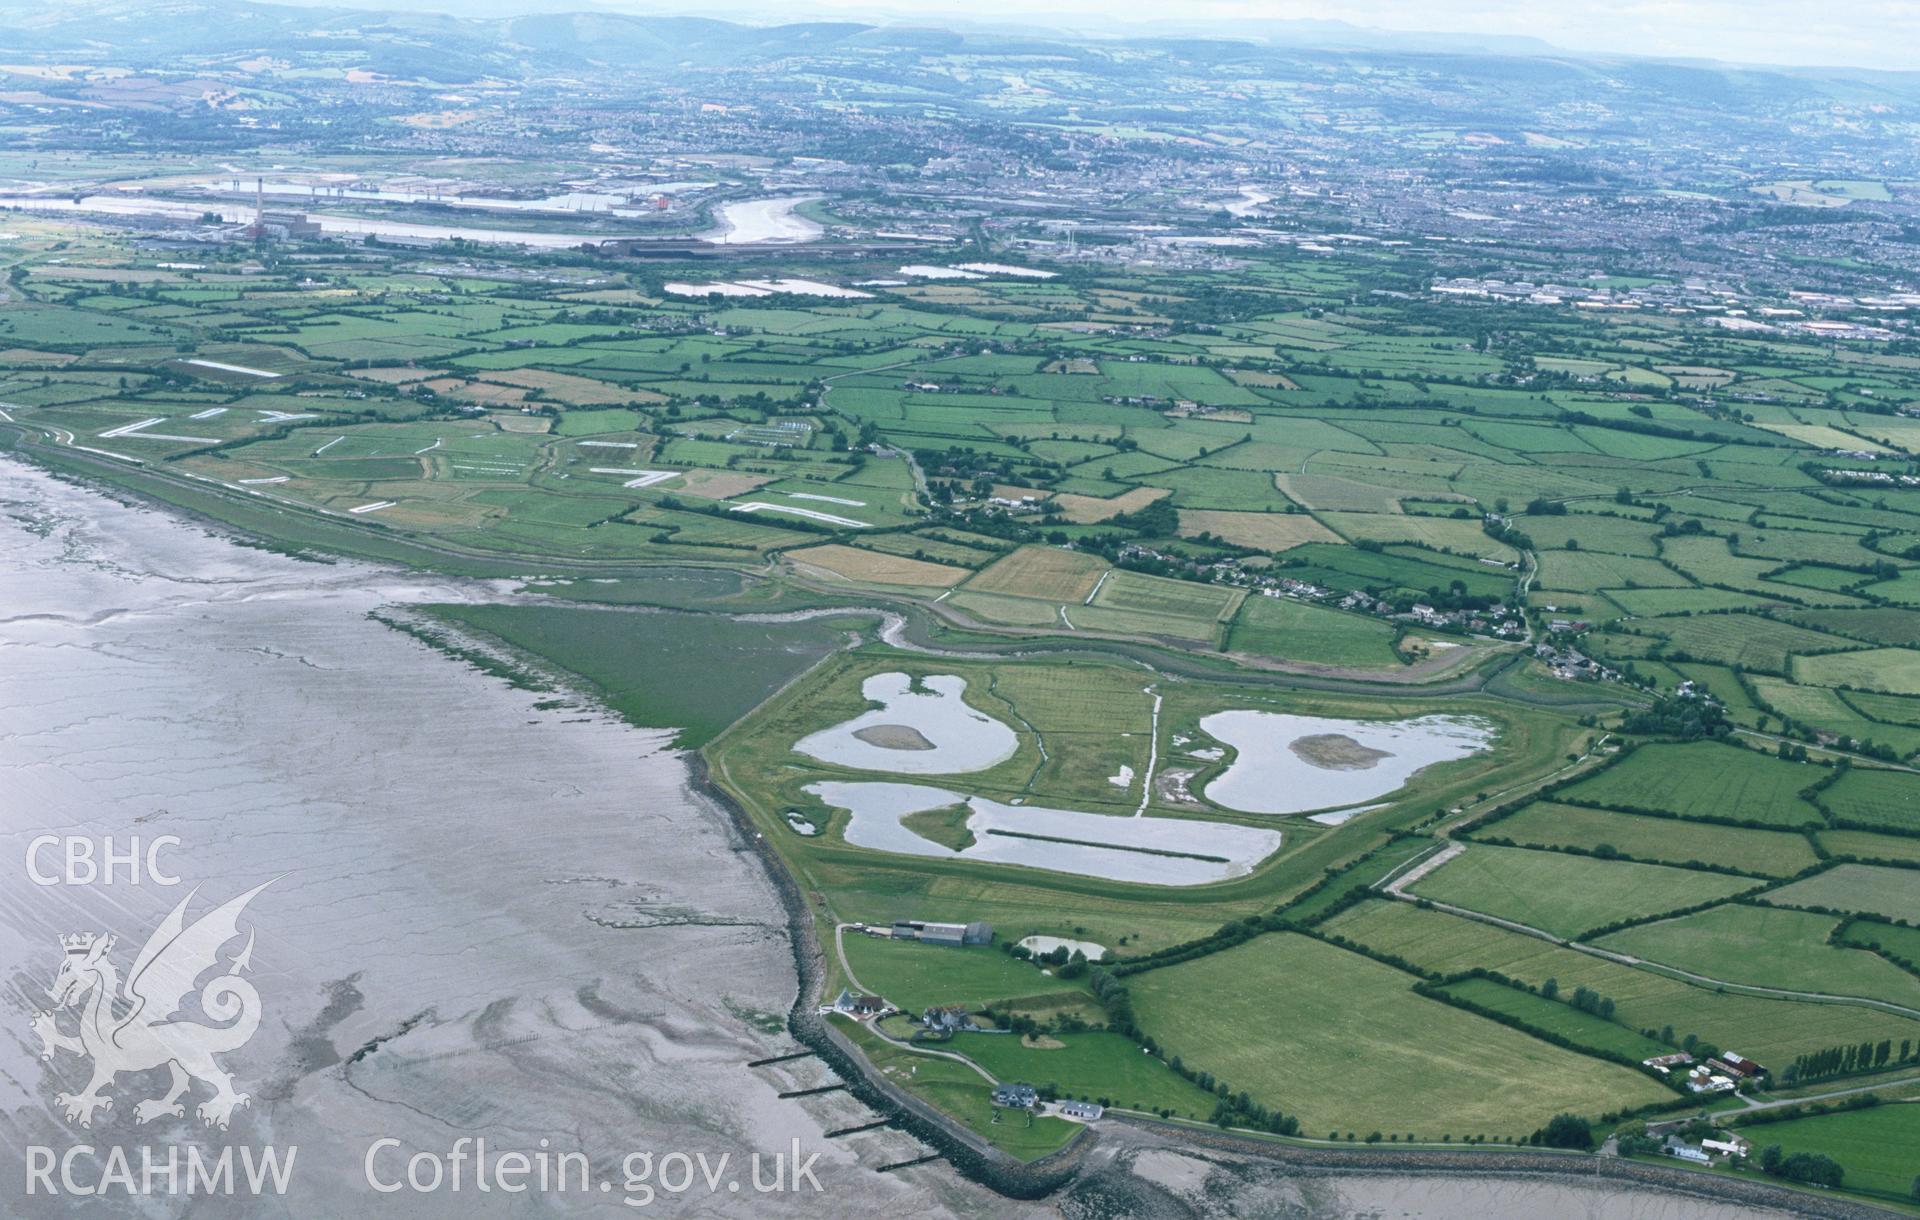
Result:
x=1853 y=33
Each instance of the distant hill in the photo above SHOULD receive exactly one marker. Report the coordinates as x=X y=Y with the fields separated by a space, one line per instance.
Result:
x=175 y=34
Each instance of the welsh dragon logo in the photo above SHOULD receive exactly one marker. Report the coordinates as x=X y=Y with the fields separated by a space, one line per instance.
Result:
x=133 y=1027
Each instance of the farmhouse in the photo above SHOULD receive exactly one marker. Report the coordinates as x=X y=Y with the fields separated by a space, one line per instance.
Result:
x=947 y=1020
x=1023 y=504
x=858 y=1005
x=1016 y=1096
x=975 y=933
x=1679 y=1149
x=1732 y=1145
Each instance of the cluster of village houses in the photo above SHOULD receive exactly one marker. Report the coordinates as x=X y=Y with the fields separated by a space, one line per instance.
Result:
x=1727 y=1145
x=926 y=932
x=950 y=1019
x=1722 y=1074
x=1871 y=476
x=1026 y=1097
x=1569 y=664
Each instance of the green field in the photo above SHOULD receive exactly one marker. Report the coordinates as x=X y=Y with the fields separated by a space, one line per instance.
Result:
x=1078 y=494
x=1767 y=853
x=1567 y=895
x=1703 y=780
x=1767 y=948
x=1867 y=888
x=1136 y=604
x=1893 y=671
x=1879 y=1147
x=1302 y=631
x=1745 y=639
x=915 y=977
x=1888 y=799
x=1890 y=940
x=1770 y=1030
x=1866 y=845
x=1103 y=1067
x=1357 y=1049
x=1585 y=1030
x=1041 y=573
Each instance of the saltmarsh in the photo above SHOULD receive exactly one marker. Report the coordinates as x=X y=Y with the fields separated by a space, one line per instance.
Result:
x=1370 y=451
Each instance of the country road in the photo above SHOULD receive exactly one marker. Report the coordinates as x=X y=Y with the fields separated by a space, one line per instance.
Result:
x=913 y=466
x=840 y=951
x=1856 y=1090
x=1624 y=959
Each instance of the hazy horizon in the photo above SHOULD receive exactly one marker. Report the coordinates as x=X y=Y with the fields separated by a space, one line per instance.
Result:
x=1795 y=33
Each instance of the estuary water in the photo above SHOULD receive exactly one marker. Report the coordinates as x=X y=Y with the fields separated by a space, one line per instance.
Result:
x=775 y=219
x=486 y=917
x=745 y=222
x=340 y=224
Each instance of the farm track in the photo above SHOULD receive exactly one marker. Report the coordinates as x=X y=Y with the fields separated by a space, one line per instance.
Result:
x=1810 y=1098
x=913 y=466
x=1876 y=763
x=905 y=631
x=1704 y=980
x=840 y=951
x=1312 y=677
x=1395 y=884
x=1153 y=755
x=1467 y=813
x=1627 y=959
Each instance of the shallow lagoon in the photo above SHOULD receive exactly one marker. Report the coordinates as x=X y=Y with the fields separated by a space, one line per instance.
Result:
x=943 y=736
x=1296 y=764
x=1037 y=945
x=1098 y=845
